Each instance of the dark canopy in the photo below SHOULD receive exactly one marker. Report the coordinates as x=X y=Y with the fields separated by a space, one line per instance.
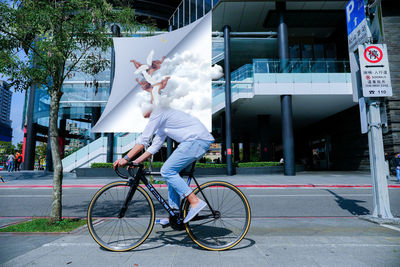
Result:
x=159 y=10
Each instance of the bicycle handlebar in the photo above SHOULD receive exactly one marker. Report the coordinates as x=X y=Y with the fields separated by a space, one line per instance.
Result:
x=131 y=166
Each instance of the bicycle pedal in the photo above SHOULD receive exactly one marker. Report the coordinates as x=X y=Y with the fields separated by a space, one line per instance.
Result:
x=163 y=222
x=165 y=225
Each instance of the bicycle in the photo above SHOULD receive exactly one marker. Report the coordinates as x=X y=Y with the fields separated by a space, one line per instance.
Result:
x=121 y=214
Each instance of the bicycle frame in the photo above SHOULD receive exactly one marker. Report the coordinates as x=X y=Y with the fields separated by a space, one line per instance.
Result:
x=134 y=181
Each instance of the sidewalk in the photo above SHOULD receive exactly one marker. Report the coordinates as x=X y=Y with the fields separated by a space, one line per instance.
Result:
x=270 y=242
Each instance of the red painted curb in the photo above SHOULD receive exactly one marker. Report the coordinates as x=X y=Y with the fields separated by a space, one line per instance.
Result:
x=238 y=185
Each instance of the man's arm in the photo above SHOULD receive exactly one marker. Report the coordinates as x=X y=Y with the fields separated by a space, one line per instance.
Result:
x=133 y=152
x=155 y=146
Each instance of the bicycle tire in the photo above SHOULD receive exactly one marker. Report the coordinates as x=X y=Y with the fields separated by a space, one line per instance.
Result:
x=134 y=227
x=227 y=230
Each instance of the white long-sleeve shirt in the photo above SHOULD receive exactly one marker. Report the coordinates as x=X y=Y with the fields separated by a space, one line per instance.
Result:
x=175 y=124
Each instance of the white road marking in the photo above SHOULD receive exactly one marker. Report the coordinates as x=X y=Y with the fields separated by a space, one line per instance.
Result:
x=25 y=195
x=269 y=245
x=322 y=195
x=391 y=227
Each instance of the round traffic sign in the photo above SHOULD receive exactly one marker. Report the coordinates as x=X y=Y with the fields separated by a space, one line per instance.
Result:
x=373 y=54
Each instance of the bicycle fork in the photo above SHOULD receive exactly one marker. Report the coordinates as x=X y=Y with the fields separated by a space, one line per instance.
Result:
x=128 y=198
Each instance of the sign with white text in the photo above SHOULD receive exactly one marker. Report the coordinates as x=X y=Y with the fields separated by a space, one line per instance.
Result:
x=375 y=74
x=357 y=27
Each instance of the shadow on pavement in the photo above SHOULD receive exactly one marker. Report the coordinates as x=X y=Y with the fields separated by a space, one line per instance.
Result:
x=350 y=204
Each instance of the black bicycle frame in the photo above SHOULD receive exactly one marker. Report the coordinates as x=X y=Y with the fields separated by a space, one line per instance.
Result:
x=134 y=183
x=140 y=176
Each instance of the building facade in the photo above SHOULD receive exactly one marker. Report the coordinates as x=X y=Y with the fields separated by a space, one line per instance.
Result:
x=304 y=88
x=5 y=109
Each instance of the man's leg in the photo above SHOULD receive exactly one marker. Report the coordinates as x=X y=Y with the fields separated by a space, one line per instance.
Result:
x=398 y=173
x=178 y=160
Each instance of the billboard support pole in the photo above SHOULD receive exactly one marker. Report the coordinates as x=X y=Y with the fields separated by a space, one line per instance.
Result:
x=227 y=74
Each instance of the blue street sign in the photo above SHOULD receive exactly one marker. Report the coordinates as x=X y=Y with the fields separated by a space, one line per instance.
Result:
x=355 y=14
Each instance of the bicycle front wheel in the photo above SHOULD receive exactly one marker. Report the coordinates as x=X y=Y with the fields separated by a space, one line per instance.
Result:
x=227 y=225
x=120 y=234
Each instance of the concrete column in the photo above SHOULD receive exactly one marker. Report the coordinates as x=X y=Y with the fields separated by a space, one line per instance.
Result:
x=49 y=158
x=116 y=32
x=286 y=100
x=30 y=145
x=223 y=139
x=169 y=140
x=228 y=116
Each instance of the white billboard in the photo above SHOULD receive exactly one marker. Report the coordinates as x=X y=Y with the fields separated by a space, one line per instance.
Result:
x=171 y=69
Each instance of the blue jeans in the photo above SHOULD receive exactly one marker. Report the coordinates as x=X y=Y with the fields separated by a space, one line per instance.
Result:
x=10 y=166
x=398 y=173
x=184 y=154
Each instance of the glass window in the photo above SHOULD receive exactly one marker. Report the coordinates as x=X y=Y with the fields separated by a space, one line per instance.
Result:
x=330 y=50
x=319 y=51
x=187 y=12
x=193 y=12
x=294 y=51
x=176 y=20
x=180 y=15
x=306 y=51
x=207 y=5
x=199 y=8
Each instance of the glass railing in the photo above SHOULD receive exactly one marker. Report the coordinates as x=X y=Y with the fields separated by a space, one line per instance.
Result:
x=96 y=151
x=189 y=11
x=86 y=154
x=301 y=66
x=293 y=71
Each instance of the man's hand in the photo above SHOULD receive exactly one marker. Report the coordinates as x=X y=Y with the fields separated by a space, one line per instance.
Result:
x=120 y=163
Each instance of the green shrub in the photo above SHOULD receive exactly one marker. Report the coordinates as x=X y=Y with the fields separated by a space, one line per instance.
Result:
x=258 y=164
x=159 y=164
x=156 y=164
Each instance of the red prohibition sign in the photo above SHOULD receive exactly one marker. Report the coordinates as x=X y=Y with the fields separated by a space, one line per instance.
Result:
x=371 y=54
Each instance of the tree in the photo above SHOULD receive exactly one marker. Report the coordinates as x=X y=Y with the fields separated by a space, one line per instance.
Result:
x=59 y=38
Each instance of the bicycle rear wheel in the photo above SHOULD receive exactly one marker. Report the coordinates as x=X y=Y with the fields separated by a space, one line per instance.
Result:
x=120 y=234
x=231 y=219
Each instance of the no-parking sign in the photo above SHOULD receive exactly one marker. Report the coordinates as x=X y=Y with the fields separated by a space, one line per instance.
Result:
x=375 y=74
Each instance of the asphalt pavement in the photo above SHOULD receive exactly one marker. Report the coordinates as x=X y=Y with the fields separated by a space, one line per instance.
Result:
x=311 y=219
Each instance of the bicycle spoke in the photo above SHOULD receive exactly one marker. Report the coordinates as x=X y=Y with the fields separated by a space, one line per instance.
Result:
x=224 y=231
x=115 y=233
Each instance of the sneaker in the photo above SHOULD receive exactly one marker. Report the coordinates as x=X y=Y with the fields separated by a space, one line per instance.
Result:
x=194 y=211
x=164 y=222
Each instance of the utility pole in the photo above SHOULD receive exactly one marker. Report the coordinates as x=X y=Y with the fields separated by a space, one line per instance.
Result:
x=371 y=82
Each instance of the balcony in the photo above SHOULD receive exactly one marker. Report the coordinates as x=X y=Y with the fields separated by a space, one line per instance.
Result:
x=299 y=77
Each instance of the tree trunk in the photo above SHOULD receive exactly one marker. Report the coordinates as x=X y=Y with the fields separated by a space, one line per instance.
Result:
x=56 y=205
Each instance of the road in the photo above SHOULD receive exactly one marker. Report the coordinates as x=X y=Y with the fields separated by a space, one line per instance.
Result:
x=265 y=202
x=290 y=227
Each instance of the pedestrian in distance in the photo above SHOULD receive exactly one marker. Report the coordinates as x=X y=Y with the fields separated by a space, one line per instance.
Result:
x=396 y=163
x=11 y=159
x=18 y=161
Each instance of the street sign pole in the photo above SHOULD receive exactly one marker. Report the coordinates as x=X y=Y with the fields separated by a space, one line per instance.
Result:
x=371 y=79
x=381 y=204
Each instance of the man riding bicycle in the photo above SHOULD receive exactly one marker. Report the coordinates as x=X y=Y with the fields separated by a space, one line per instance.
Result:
x=194 y=141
